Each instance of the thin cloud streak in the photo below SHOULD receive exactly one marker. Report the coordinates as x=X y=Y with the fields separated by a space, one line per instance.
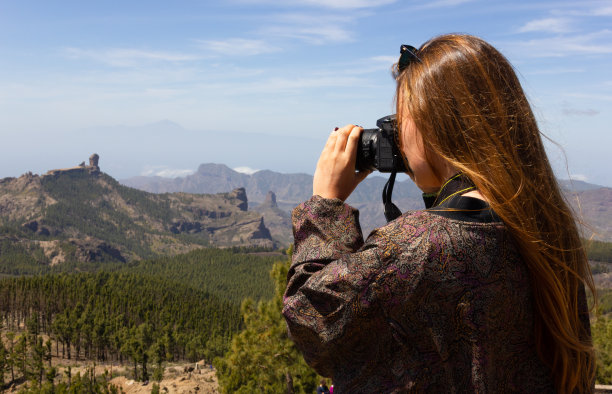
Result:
x=237 y=47
x=596 y=43
x=286 y=85
x=316 y=35
x=333 y=4
x=348 y=4
x=590 y=96
x=127 y=57
x=603 y=11
x=555 y=71
x=551 y=25
x=313 y=28
x=441 y=4
x=579 y=112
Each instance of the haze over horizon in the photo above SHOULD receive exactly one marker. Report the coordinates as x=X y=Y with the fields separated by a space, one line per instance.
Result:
x=259 y=84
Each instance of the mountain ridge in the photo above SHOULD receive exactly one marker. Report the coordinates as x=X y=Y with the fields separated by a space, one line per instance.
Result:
x=81 y=213
x=292 y=189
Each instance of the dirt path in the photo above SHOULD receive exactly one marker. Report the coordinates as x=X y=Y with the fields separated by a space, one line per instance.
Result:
x=176 y=380
x=180 y=378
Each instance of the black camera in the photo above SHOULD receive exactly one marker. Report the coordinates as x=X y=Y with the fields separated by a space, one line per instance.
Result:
x=378 y=149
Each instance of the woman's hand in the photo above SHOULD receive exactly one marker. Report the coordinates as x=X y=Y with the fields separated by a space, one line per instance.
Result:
x=335 y=176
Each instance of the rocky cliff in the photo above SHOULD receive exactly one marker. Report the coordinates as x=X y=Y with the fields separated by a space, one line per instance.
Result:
x=593 y=203
x=82 y=214
x=278 y=220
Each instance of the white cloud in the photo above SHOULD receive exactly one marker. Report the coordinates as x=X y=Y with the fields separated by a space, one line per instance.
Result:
x=246 y=170
x=238 y=46
x=347 y=4
x=312 y=28
x=551 y=25
x=164 y=93
x=379 y=63
x=440 y=4
x=315 y=34
x=554 y=71
x=334 y=4
x=128 y=57
x=590 y=96
x=579 y=177
x=165 y=172
x=603 y=11
x=386 y=59
x=287 y=85
x=579 y=112
x=595 y=43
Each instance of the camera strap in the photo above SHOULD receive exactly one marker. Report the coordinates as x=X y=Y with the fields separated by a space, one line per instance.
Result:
x=392 y=212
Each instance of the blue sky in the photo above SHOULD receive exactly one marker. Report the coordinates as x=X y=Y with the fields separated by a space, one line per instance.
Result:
x=288 y=70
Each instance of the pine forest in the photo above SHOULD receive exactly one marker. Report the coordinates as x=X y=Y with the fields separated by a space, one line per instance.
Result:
x=111 y=288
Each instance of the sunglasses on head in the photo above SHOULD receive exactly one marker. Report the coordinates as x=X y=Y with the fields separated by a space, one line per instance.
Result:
x=407 y=55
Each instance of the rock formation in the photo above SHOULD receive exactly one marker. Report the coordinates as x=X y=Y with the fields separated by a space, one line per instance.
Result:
x=270 y=200
x=93 y=162
x=240 y=195
x=72 y=214
x=262 y=232
x=93 y=167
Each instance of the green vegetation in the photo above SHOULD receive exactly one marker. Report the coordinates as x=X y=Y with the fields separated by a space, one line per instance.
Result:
x=599 y=251
x=229 y=275
x=18 y=259
x=143 y=313
x=206 y=304
x=601 y=330
x=83 y=204
x=262 y=358
x=137 y=319
x=29 y=358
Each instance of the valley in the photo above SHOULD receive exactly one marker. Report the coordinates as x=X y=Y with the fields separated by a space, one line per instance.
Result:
x=108 y=288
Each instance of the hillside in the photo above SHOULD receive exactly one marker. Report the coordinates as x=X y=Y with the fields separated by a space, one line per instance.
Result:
x=594 y=206
x=592 y=202
x=289 y=190
x=82 y=214
x=142 y=320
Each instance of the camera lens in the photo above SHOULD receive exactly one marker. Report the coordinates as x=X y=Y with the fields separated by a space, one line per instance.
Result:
x=366 y=150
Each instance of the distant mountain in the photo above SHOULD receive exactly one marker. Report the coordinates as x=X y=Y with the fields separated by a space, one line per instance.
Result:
x=218 y=178
x=595 y=207
x=289 y=190
x=82 y=214
x=578 y=186
x=164 y=145
x=276 y=219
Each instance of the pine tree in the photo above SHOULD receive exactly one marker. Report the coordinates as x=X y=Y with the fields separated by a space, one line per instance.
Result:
x=602 y=339
x=37 y=359
x=10 y=357
x=262 y=358
x=20 y=352
x=3 y=363
x=145 y=340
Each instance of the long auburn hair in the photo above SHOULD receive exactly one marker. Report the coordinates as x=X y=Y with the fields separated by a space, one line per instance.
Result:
x=466 y=100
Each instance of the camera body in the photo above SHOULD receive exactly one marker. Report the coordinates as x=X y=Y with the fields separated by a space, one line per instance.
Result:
x=378 y=149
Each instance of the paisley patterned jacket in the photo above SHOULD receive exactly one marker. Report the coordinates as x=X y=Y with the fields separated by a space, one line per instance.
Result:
x=435 y=301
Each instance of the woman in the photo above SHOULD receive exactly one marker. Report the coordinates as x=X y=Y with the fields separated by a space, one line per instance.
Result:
x=481 y=292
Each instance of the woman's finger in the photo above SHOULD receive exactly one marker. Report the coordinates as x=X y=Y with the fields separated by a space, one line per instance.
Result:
x=342 y=134
x=330 y=145
x=352 y=142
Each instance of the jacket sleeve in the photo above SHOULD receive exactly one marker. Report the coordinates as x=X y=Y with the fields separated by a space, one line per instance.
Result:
x=332 y=303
